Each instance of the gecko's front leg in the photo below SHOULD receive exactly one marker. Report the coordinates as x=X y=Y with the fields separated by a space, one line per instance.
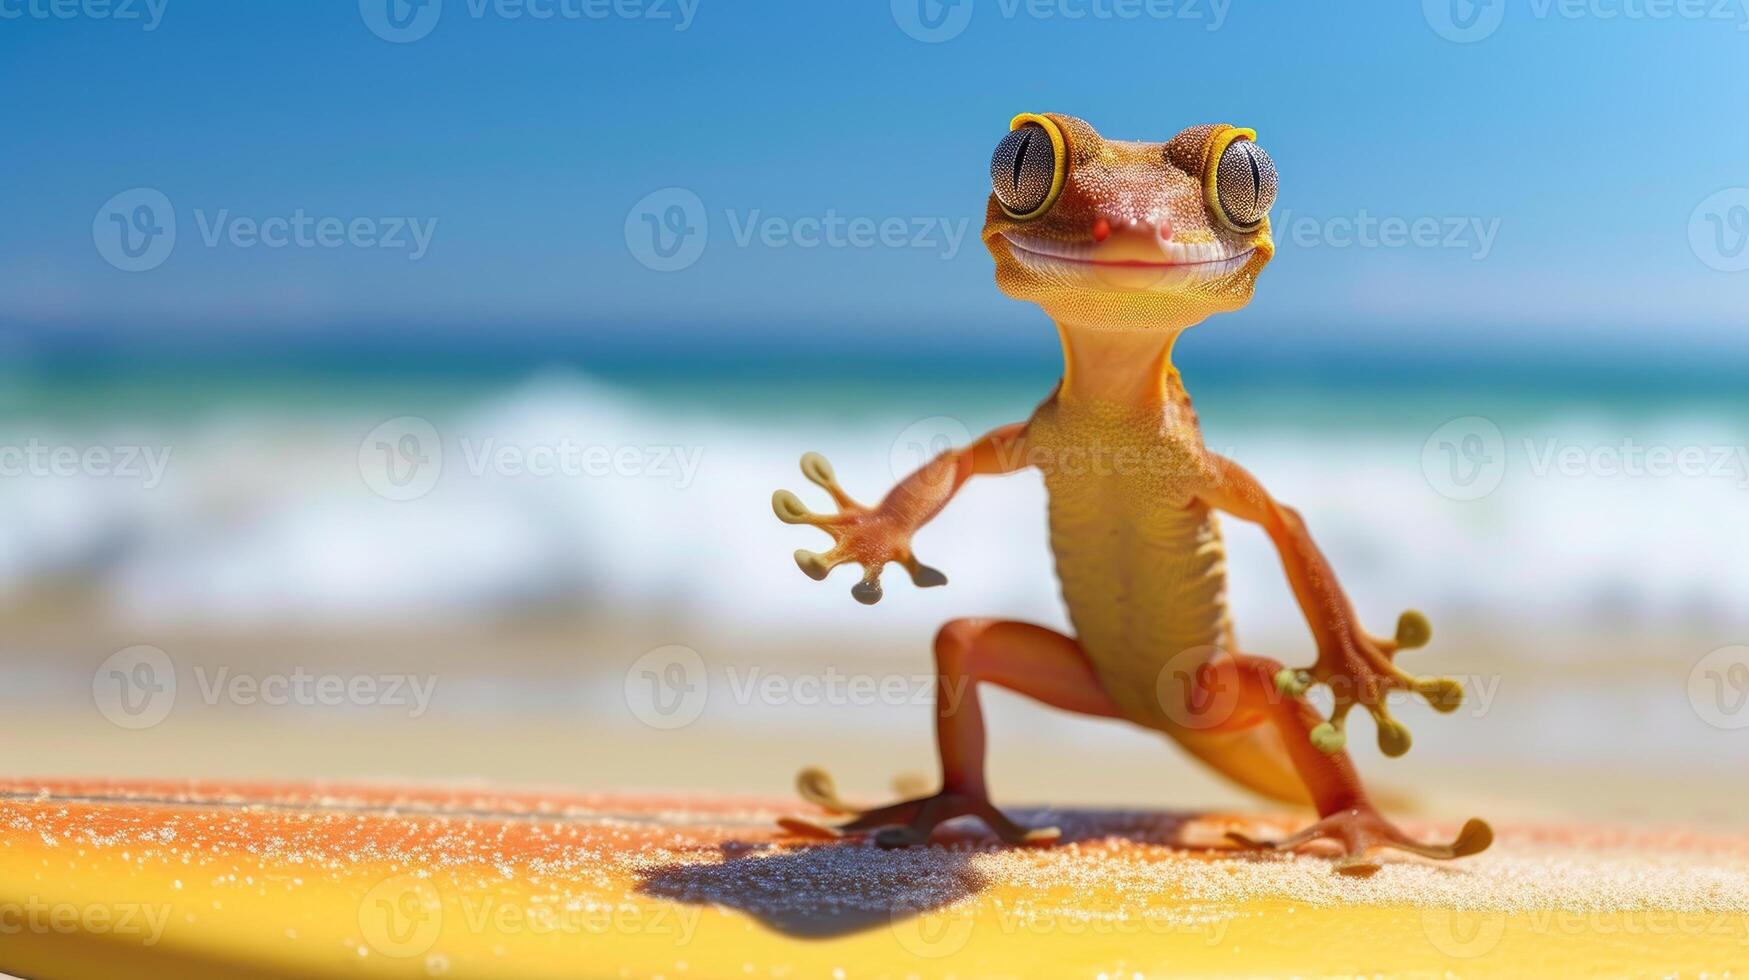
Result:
x=874 y=536
x=869 y=536
x=1358 y=667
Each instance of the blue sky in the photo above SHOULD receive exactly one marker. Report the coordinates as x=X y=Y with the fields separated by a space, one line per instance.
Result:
x=1562 y=158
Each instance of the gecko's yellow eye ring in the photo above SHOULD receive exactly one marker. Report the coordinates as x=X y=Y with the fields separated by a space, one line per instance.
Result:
x=1239 y=179
x=1029 y=166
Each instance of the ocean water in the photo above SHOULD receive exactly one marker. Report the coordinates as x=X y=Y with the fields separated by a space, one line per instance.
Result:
x=400 y=500
x=1578 y=547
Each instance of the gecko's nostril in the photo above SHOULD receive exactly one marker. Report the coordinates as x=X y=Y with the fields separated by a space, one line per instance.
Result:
x=1130 y=229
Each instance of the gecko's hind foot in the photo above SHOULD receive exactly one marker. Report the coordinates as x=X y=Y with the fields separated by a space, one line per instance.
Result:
x=1361 y=830
x=907 y=823
x=808 y=828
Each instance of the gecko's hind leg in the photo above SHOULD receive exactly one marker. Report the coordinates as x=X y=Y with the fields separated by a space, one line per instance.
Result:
x=1032 y=660
x=1347 y=817
x=816 y=787
x=1360 y=830
x=911 y=821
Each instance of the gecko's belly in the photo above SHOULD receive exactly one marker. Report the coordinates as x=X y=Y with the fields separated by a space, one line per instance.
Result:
x=1142 y=569
x=1147 y=596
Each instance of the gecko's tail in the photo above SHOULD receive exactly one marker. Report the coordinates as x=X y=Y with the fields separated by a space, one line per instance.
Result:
x=1255 y=758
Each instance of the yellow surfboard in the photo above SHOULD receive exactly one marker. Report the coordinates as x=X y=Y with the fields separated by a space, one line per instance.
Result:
x=187 y=880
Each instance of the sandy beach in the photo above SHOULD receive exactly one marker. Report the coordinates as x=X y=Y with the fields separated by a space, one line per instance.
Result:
x=552 y=702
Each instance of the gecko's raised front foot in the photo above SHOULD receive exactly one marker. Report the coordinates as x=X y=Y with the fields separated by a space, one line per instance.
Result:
x=907 y=823
x=868 y=536
x=1361 y=669
x=1361 y=830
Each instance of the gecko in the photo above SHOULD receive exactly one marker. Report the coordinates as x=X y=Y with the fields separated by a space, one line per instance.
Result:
x=1125 y=245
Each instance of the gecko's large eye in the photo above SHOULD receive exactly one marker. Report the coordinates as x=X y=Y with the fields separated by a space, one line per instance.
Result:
x=1242 y=182
x=1026 y=171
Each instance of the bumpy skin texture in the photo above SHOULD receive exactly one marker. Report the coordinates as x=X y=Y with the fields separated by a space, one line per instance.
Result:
x=1136 y=242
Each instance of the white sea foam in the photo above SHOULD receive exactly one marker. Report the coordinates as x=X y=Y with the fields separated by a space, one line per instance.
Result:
x=269 y=520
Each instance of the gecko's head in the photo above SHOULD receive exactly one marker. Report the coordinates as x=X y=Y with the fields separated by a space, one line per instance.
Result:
x=1124 y=235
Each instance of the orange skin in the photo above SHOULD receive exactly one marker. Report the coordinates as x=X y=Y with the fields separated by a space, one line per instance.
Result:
x=1134 y=247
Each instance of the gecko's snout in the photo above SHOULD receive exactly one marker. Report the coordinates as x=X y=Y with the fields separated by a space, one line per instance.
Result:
x=1145 y=230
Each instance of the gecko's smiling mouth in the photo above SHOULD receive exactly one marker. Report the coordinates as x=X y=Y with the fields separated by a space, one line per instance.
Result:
x=1128 y=264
